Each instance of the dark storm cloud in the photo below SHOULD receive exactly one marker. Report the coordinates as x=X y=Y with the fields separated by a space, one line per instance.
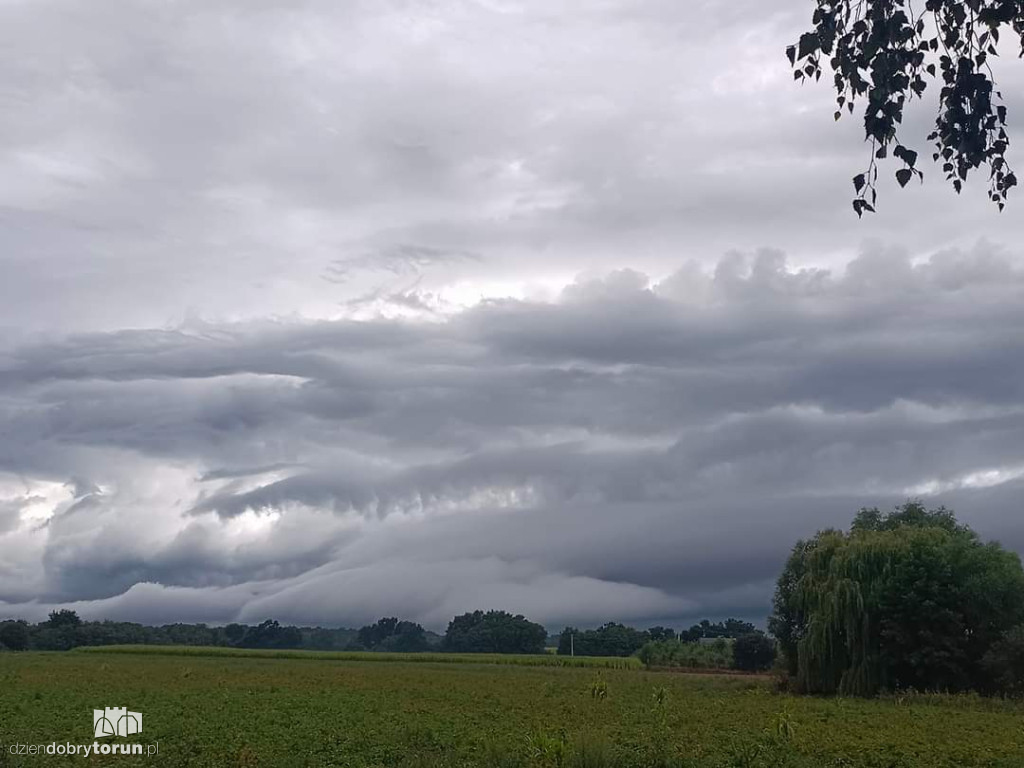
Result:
x=635 y=450
x=289 y=325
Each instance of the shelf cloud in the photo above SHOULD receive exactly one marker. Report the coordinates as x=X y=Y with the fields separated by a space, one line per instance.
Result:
x=322 y=312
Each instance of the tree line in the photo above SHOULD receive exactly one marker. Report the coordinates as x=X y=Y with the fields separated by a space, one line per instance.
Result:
x=472 y=632
x=729 y=644
x=620 y=640
x=64 y=630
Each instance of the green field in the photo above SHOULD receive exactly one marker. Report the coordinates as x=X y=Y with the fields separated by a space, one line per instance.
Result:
x=302 y=710
x=519 y=660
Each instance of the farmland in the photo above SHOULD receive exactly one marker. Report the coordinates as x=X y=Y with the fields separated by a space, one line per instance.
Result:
x=515 y=659
x=230 y=710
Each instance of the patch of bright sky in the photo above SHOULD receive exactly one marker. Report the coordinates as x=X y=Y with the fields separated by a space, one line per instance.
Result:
x=467 y=293
x=39 y=500
x=251 y=524
x=984 y=478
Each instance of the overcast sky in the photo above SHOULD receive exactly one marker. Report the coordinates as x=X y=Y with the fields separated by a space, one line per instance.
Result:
x=323 y=311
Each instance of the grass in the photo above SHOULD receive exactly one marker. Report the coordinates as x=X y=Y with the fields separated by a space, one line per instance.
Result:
x=222 y=709
x=519 y=660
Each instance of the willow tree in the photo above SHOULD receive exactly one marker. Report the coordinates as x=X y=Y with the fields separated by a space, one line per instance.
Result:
x=885 y=53
x=906 y=600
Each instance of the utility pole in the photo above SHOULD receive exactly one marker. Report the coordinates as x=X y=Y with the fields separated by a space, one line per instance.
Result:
x=572 y=644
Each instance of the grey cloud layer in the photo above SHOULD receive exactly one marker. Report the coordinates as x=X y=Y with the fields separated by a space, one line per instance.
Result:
x=245 y=371
x=221 y=159
x=635 y=450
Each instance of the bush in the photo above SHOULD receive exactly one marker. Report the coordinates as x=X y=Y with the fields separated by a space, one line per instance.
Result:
x=753 y=653
x=682 y=655
x=1004 y=663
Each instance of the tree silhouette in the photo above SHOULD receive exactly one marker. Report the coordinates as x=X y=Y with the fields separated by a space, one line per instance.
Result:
x=884 y=53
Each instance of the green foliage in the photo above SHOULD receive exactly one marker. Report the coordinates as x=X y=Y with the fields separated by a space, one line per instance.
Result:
x=909 y=600
x=593 y=751
x=788 y=622
x=885 y=52
x=64 y=630
x=661 y=633
x=233 y=710
x=493 y=632
x=234 y=633
x=270 y=634
x=753 y=653
x=608 y=640
x=548 y=751
x=501 y=756
x=912 y=514
x=63 y=619
x=730 y=628
x=688 y=655
x=390 y=634
x=614 y=639
x=14 y=635
x=1004 y=663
